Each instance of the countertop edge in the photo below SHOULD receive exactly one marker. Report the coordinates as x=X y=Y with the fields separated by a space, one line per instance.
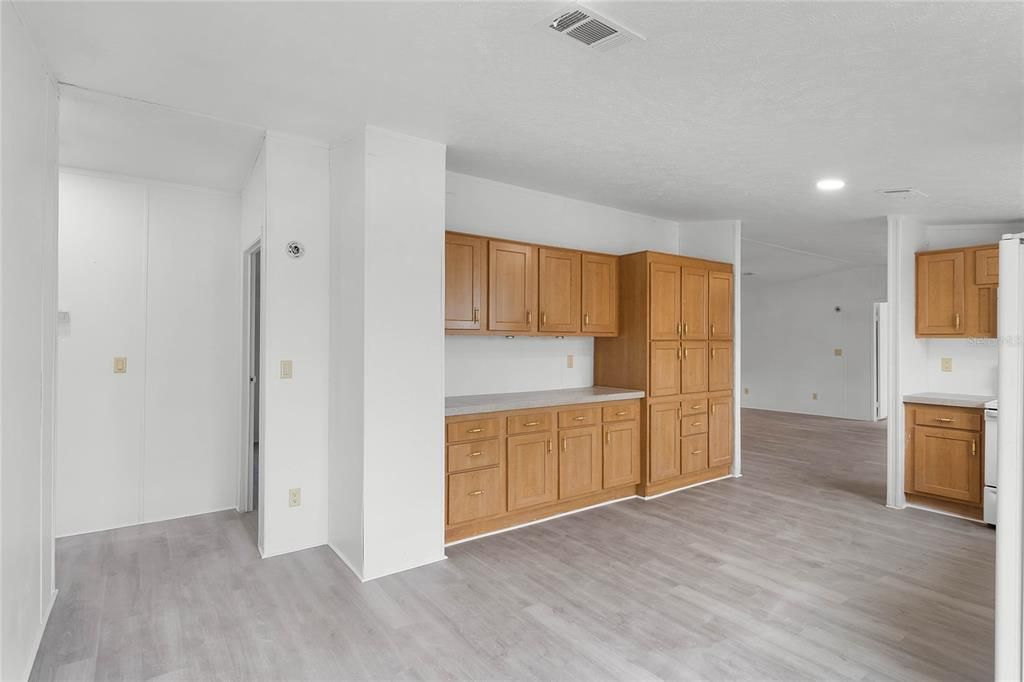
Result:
x=499 y=405
x=948 y=400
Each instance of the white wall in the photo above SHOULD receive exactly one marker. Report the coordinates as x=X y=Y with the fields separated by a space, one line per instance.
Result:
x=791 y=330
x=386 y=305
x=28 y=195
x=147 y=271
x=293 y=443
x=495 y=209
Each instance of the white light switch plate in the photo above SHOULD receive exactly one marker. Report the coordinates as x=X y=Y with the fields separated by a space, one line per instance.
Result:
x=286 y=369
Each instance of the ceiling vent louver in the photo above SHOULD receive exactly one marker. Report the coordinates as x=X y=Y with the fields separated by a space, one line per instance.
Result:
x=590 y=29
x=902 y=193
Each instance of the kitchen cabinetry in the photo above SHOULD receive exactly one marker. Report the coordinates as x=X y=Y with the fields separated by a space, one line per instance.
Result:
x=512 y=467
x=944 y=464
x=956 y=292
x=500 y=287
x=465 y=258
x=675 y=343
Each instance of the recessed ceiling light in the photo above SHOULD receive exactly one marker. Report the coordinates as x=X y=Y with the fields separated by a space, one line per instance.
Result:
x=831 y=184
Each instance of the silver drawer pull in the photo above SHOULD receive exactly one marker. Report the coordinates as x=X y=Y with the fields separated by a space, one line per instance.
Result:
x=476 y=492
x=944 y=420
x=695 y=424
x=478 y=430
x=579 y=419
x=696 y=452
x=476 y=454
x=531 y=423
x=623 y=413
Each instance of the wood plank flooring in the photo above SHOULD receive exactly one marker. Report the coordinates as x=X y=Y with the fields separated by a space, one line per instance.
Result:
x=794 y=571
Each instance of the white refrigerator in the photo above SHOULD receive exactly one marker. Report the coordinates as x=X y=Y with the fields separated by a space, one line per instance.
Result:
x=1010 y=475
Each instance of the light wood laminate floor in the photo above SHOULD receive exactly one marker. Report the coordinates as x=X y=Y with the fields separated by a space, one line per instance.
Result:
x=794 y=571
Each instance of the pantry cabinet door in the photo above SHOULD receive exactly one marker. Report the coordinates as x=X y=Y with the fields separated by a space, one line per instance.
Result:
x=665 y=293
x=695 y=303
x=719 y=305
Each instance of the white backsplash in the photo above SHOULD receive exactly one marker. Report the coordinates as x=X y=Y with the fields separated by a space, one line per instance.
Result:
x=494 y=364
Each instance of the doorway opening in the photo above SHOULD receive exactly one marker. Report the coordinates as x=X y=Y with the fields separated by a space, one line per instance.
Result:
x=250 y=487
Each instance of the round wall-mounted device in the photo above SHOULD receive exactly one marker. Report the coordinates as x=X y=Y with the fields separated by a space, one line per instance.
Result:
x=295 y=249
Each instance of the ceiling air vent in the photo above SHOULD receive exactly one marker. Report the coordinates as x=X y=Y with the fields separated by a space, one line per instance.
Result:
x=590 y=29
x=902 y=193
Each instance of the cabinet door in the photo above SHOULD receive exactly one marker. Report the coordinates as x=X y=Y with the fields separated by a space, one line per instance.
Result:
x=940 y=293
x=986 y=266
x=463 y=282
x=982 y=311
x=600 y=294
x=720 y=366
x=665 y=290
x=694 y=453
x=579 y=462
x=559 y=290
x=475 y=495
x=532 y=470
x=666 y=357
x=720 y=431
x=663 y=442
x=621 y=454
x=695 y=303
x=720 y=305
x=695 y=367
x=947 y=463
x=512 y=287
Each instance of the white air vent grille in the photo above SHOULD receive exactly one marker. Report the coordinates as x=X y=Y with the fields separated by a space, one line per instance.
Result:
x=902 y=193
x=591 y=29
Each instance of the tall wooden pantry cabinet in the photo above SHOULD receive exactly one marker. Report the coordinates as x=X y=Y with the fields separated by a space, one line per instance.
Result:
x=675 y=343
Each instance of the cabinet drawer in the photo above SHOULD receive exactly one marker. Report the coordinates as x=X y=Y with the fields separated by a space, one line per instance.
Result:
x=475 y=495
x=695 y=405
x=529 y=423
x=584 y=416
x=473 y=455
x=697 y=423
x=477 y=429
x=946 y=418
x=620 y=413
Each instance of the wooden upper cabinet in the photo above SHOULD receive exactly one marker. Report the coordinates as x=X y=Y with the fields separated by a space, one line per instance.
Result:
x=719 y=305
x=666 y=360
x=559 y=290
x=947 y=463
x=579 y=462
x=720 y=368
x=694 y=367
x=600 y=294
x=665 y=295
x=663 y=442
x=695 y=303
x=986 y=266
x=512 y=287
x=940 y=293
x=720 y=431
x=532 y=470
x=464 y=262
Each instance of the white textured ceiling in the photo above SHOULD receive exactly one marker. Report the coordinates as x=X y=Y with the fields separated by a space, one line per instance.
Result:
x=728 y=110
x=126 y=137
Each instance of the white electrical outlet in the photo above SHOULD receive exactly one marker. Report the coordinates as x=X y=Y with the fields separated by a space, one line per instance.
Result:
x=947 y=364
x=286 y=369
x=295 y=497
x=569 y=361
x=814 y=396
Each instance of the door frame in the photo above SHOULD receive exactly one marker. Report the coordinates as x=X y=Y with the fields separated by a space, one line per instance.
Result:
x=245 y=487
x=880 y=362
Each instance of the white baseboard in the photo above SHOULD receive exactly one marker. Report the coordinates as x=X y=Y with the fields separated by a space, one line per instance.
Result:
x=160 y=519
x=39 y=638
x=687 y=487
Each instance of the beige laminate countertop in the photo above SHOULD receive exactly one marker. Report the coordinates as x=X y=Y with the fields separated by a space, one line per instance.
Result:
x=499 y=402
x=949 y=399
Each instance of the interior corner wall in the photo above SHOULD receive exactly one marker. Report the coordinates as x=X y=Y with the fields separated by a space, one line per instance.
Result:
x=494 y=364
x=387 y=365
x=295 y=301
x=149 y=272
x=347 y=350
x=792 y=329
x=28 y=255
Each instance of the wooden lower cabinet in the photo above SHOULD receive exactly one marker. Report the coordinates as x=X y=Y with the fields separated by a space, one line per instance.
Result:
x=509 y=468
x=579 y=462
x=663 y=441
x=621 y=454
x=720 y=431
x=532 y=470
x=944 y=463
